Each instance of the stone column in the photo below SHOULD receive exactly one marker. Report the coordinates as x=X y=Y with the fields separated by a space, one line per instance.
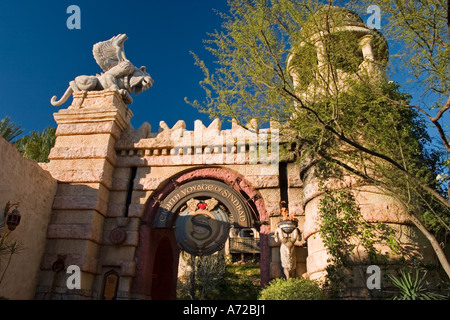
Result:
x=82 y=161
x=374 y=70
x=375 y=207
x=366 y=47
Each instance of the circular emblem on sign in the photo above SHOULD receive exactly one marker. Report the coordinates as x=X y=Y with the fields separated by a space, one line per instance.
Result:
x=201 y=213
x=202 y=226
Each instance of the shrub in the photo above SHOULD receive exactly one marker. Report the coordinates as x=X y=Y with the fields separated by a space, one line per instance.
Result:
x=292 y=289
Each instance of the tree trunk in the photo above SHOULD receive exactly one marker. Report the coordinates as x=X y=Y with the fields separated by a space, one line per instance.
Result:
x=192 y=279
x=434 y=243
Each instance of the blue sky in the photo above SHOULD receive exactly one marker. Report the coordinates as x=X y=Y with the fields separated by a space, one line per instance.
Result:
x=39 y=55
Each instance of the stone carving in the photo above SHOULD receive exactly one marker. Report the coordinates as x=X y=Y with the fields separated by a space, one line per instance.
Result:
x=287 y=249
x=118 y=73
x=288 y=236
x=117 y=235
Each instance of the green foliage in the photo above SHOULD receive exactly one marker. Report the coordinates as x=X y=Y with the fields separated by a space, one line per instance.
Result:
x=373 y=121
x=343 y=230
x=9 y=130
x=413 y=288
x=210 y=270
x=204 y=281
x=292 y=289
x=420 y=29
x=241 y=282
x=214 y=280
x=37 y=145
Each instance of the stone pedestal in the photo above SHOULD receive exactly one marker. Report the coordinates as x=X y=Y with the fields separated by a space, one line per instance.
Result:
x=82 y=161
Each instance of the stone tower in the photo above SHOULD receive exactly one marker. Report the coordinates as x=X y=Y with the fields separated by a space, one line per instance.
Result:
x=366 y=58
x=360 y=50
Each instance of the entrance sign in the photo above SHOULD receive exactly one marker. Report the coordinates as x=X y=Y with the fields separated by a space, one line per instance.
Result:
x=202 y=213
x=202 y=227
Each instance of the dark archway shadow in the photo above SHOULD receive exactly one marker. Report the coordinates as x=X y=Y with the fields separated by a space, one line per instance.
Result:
x=163 y=272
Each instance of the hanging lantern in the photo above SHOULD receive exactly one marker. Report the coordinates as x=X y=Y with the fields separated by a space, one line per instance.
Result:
x=13 y=219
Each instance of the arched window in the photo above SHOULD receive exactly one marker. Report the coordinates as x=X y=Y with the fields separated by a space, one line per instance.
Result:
x=110 y=285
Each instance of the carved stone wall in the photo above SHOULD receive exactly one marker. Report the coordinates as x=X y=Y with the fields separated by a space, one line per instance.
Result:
x=111 y=178
x=82 y=161
x=109 y=175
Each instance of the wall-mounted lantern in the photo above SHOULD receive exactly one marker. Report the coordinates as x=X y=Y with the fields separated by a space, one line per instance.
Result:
x=12 y=218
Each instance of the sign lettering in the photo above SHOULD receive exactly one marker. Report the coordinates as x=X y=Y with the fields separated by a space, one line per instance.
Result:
x=206 y=187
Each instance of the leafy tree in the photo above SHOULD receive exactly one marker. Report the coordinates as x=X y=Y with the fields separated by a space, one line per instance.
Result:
x=345 y=234
x=37 y=145
x=270 y=68
x=420 y=28
x=9 y=130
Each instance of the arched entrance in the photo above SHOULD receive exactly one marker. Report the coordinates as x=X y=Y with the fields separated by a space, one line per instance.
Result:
x=194 y=211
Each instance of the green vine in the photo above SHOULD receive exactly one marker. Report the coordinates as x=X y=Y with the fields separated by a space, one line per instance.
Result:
x=344 y=232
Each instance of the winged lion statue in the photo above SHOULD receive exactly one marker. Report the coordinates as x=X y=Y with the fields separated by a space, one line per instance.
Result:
x=118 y=73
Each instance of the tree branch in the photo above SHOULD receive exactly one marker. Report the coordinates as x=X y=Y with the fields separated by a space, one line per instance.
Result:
x=434 y=120
x=342 y=137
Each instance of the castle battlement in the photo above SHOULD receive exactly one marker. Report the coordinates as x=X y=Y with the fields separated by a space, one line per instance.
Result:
x=205 y=144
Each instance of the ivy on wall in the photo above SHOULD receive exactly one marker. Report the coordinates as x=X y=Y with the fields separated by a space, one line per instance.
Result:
x=350 y=240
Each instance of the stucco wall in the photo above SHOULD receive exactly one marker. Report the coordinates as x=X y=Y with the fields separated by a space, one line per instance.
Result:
x=24 y=181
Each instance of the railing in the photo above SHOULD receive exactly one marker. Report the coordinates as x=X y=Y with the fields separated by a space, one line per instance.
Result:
x=244 y=245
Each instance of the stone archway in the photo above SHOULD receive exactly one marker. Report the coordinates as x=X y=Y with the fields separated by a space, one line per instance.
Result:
x=233 y=194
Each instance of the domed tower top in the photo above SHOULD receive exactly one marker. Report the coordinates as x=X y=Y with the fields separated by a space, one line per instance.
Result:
x=332 y=17
x=334 y=47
